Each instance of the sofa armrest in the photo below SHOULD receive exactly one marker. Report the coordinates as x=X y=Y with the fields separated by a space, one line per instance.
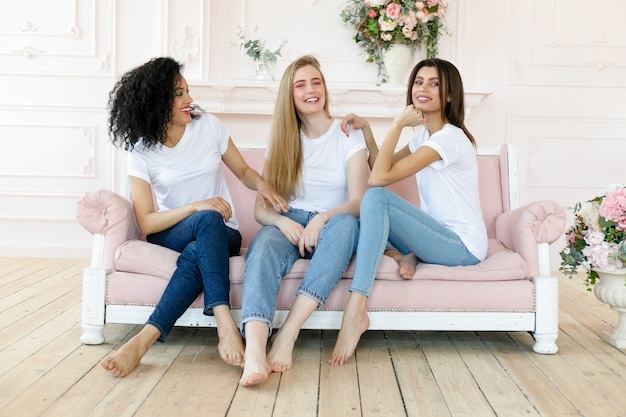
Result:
x=523 y=229
x=106 y=213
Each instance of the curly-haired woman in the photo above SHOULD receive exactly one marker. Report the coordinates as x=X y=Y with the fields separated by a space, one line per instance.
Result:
x=176 y=152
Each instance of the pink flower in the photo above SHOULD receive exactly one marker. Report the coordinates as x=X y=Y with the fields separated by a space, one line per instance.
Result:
x=613 y=206
x=372 y=14
x=410 y=21
x=393 y=10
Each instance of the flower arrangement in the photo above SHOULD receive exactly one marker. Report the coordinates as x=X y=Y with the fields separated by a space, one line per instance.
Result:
x=597 y=237
x=381 y=23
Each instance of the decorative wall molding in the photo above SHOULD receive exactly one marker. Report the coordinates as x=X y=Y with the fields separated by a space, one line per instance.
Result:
x=555 y=45
x=259 y=99
x=556 y=151
x=57 y=37
x=41 y=140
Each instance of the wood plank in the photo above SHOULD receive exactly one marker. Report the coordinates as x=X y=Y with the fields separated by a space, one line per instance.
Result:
x=19 y=268
x=197 y=383
x=47 y=281
x=541 y=392
x=51 y=386
x=571 y=382
x=380 y=395
x=36 y=341
x=420 y=392
x=299 y=386
x=129 y=393
x=461 y=393
x=91 y=383
x=19 y=321
x=503 y=395
x=339 y=385
x=30 y=273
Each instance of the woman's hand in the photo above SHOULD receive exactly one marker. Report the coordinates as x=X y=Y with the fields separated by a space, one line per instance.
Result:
x=270 y=198
x=311 y=234
x=217 y=204
x=410 y=116
x=292 y=230
x=353 y=120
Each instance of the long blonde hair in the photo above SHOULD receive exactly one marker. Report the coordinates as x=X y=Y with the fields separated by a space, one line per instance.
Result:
x=285 y=145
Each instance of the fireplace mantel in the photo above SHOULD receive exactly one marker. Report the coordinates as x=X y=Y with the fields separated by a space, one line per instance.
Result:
x=258 y=99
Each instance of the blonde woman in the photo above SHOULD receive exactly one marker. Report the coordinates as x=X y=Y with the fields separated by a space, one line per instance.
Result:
x=322 y=173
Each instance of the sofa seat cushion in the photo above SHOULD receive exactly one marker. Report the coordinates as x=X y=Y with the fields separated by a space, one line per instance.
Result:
x=501 y=264
x=127 y=288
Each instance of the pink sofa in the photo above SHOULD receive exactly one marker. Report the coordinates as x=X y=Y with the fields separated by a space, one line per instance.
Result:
x=511 y=290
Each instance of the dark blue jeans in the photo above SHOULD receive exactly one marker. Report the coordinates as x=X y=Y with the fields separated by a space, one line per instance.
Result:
x=205 y=243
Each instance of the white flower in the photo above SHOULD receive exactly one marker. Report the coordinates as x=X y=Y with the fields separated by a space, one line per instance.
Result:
x=594 y=238
x=590 y=213
x=612 y=187
x=376 y=3
x=601 y=254
x=386 y=24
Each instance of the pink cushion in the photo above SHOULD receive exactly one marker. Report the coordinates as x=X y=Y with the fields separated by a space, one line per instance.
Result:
x=501 y=265
x=146 y=258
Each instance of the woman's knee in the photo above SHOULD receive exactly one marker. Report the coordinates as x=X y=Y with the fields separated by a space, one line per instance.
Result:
x=266 y=241
x=208 y=217
x=343 y=223
x=375 y=195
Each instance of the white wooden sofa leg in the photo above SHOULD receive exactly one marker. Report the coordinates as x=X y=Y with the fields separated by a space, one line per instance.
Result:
x=547 y=315
x=92 y=323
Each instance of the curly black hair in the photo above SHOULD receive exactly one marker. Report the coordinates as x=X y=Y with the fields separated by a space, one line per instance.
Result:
x=140 y=104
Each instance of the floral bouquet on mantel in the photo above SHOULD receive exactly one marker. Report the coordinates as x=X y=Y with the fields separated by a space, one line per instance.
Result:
x=597 y=238
x=380 y=23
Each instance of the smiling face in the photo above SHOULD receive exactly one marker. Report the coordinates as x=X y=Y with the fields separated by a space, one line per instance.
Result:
x=425 y=90
x=309 y=94
x=181 y=107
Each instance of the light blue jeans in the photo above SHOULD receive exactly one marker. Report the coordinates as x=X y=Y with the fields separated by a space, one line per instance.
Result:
x=271 y=256
x=385 y=216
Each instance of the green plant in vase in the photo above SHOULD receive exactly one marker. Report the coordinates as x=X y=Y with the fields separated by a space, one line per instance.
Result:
x=264 y=58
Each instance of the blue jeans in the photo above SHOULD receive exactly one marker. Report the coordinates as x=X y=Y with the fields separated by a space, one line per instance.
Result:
x=271 y=256
x=205 y=243
x=387 y=216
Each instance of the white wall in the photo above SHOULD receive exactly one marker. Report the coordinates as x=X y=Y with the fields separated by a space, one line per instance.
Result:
x=548 y=76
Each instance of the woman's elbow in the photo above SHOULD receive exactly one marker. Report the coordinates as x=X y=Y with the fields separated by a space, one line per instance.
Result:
x=374 y=181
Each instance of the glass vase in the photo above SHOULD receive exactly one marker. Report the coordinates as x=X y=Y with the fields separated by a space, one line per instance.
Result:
x=264 y=71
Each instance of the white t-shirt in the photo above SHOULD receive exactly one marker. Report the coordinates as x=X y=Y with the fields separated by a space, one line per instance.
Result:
x=324 y=181
x=448 y=188
x=190 y=171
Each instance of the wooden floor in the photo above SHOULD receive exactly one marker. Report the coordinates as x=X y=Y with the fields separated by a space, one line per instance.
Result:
x=46 y=371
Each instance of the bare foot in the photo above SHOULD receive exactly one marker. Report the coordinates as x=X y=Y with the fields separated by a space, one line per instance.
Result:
x=256 y=370
x=230 y=346
x=407 y=263
x=126 y=359
x=355 y=322
x=280 y=355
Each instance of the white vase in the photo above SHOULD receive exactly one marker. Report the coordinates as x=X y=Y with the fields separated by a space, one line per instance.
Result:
x=611 y=290
x=396 y=60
